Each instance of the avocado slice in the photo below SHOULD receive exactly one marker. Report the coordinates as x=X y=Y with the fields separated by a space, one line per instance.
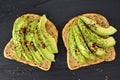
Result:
x=81 y=43
x=18 y=39
x=102 y=31
x=29 y=39
x=17 y=49
x=47 y=55
x=73 y=50
x=101 y=42
x=44 y=52
x=46 y=38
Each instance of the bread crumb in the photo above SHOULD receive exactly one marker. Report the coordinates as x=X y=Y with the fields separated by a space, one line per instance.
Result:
x=99 y=69
x=17 y=68
x=106 y=78
x=73 y=73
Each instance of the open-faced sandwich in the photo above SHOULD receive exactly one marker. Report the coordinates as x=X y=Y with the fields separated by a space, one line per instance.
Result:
x=88 y=40
x=33 y=42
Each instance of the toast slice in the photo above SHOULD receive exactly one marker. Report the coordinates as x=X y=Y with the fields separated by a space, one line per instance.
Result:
x=71 y=62
x=9 y=53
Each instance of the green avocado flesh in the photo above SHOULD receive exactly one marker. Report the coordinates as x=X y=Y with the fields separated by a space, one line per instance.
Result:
x=29 y=39
x=101 y=42
x=81 y=44
x=18 y=39
x=73 y=50
x=99 y=30
x=85 y=44
x=28 y=43
x=46 y=38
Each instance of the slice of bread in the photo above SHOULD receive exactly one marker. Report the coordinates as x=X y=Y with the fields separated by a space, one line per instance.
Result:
x=9 y=53
x=71 y=62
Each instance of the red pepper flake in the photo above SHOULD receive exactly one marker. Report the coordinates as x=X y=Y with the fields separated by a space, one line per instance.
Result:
x=94 y=46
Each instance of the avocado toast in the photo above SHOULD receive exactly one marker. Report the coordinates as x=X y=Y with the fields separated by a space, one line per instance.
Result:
x=33 y=42
x=88 y=40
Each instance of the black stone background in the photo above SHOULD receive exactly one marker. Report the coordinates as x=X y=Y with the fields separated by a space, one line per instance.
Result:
x=59 y=12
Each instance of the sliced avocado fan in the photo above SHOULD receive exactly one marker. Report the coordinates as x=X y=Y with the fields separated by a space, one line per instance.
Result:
x=88 y=40
x=32 y=41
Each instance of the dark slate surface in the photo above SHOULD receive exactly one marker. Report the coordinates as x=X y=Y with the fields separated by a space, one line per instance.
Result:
x=58 y=11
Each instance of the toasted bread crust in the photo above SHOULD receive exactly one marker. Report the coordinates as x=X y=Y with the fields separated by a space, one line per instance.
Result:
x=8 y=51
x=71 y=62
